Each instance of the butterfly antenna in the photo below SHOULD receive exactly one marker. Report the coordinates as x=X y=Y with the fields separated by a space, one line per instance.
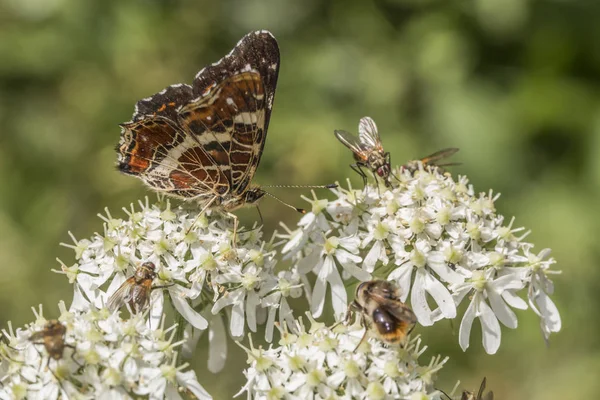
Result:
x=328 y=186
x=300 y=210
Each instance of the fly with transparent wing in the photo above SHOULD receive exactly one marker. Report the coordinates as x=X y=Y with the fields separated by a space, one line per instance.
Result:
x=367 y=150
x=432 y=160
x=135 y=291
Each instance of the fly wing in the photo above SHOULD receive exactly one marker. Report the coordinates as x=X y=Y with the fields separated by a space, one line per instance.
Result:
x=399 y=310
x=403 y=312
x=352 y=142
x=439 y=155
x=368 y=134
x=36 y=336
x=140 y=295
x=121 y=296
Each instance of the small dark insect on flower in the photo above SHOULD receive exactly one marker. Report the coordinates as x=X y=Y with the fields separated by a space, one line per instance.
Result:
x=379 y=303
x=135 y=291
x=52 y=336
x=431 y=160
x=466 y=395
x=367 y=150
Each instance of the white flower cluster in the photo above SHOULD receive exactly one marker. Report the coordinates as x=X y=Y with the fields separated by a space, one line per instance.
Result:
x=93 y=355
x=437 y=239
x=196 y=263
x=323 y=363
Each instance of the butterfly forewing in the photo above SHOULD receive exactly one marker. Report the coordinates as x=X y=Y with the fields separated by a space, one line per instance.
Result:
x=204 y=141
x=229 y=125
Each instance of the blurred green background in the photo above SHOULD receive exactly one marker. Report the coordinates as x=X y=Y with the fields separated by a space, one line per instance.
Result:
x=513 y=83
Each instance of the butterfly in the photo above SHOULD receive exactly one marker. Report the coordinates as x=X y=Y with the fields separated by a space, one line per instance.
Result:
x=204 y=141
x=367 y=150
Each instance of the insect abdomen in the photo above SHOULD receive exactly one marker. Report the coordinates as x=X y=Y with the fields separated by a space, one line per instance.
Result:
x=387 y=326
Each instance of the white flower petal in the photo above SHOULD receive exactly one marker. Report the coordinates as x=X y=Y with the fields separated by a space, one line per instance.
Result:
x=236 y=324
x=513 y=300
x=464 y=332
x=217 y=350
x=441 y=296
x=187 y=312
x=548 y=309
x=189 y=381
x=402 y=275
x=356 y=272
x=320 y=288
x=490 y=328
x=437 y=262
x=339 y=298
x=157 y=301
x=252 y=301
x=418 y=299
x=502 y=311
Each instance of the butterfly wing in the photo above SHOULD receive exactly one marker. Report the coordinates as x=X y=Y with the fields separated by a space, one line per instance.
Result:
x=231 y=114
x=203 y=140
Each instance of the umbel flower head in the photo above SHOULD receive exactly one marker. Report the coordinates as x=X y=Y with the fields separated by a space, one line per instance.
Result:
x=318 y=362
x=93 y=355
x=438 y=239
x=198 y=269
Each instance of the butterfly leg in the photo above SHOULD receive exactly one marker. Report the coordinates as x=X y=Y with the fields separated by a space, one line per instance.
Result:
x=235 y=227
x=206 y=207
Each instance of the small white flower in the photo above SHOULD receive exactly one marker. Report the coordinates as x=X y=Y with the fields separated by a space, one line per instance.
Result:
x=425 y=262
x=429 y=232
x=326 y=255
x=103 y=357
x=498 y=292
x=320 y=363
x=540 y=288
x=198 y=267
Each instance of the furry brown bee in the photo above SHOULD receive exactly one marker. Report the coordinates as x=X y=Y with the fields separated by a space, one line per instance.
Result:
x=367 y=150
x=52 y=336
x=379 y=302
x=466 y=395
x=432 y=160
x=135 y=291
